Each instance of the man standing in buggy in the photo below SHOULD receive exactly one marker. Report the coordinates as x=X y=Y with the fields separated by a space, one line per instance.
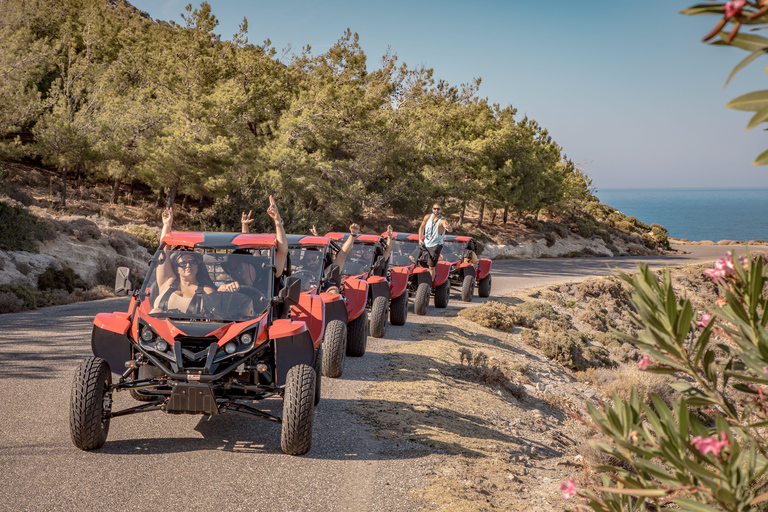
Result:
x=432 y=235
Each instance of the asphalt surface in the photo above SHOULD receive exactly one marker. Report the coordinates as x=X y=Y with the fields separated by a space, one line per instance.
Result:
x=155 y=461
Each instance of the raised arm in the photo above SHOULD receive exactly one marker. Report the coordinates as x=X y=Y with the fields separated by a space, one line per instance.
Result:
x=164 y=270
x=282 y=240
x=245 y=221
x=341 y=257
x=388 y=248
x=446 y=226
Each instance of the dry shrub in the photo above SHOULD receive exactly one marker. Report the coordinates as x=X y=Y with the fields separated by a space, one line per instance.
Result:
x=10 y=303
x=493 y=374
x=553 y=297
x=492 y=314
x=82 y=229
x=625 y=353
x=541 y=316
x=59 y=297
x=566 y=349
x=521 y=367
x=96 y=293
x=594 y=315
x=609 y=340
x=595 y=457
x=530 y=337
x=628 y=377
x=555 y=401
x=602 y=287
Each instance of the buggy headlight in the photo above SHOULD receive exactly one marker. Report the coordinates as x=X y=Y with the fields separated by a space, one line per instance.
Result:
x=147 y=334
x=161 y=345
x=246 y=338
x=230 y=347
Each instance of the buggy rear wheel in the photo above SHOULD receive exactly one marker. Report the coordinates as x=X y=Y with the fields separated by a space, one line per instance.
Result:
x=442 y=295
x=318 y=367
x=90 y=404
x=298 y=410
x=398 y=309
x=468 y=288
x=484 y=286
x=357 y=335
x=421 y=301
x=379 y=316
x=334 y=348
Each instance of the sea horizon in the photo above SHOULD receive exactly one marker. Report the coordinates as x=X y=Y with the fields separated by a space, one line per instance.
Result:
x=696 y=213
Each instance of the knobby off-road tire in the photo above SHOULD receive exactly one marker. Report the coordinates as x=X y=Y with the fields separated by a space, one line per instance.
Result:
x=379 y=316
x=334 y=348
x=318 y=367
x=442 y=295
x=484 y=286
x=87 y=424
x=298 y=410
x=421 y=301
x=398 y=309
x=468 y=288
x=357 y=335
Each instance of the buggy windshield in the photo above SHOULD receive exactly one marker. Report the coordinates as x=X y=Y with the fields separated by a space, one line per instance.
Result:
x=359 y=260
x=307 y=265
x=218 y=285
x=404 y=253
x=453 y=251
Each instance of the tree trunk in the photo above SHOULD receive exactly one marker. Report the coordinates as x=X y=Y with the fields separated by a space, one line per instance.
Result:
x=493 y=216
x=506 y=210
x=171 y=196
x=482 y=211
x=184 y=202
x=64 y=186
x=461 y=214
x=159 y=200
x=115 y=190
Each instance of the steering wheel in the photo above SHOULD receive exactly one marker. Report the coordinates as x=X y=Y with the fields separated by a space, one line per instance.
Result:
x=253 y=293
x=306 y=276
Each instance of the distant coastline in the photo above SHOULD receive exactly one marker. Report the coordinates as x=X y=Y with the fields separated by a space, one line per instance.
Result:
x=696 y=214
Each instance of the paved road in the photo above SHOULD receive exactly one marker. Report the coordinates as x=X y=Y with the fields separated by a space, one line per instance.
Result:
x=155 y=461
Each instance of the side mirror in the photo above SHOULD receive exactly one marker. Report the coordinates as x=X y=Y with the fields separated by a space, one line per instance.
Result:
x=291 y=291
x=333 y=275
x=123 y=283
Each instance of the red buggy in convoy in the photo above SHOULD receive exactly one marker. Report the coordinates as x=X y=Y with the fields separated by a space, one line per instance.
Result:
x=404 y=260
x=365 y=262
x=207 y=353
x=467 y=270
x=342 y=326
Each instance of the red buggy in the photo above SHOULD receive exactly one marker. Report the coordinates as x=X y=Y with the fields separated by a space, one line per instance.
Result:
x=404 y=261
x=339 y=326
x=465 y=275
x=365 y=262
x=216 y=354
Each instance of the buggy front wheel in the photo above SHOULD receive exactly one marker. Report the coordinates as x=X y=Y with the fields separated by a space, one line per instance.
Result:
x=398 y=309
x=379 y=316
x=298 y=410
x=90 y=404
x=421 y=301
x=442 y=295
x=357 y=335
x=334 y=348
x=468 y=288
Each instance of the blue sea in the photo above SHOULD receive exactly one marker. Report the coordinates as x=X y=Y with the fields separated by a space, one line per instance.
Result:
x=696 y=213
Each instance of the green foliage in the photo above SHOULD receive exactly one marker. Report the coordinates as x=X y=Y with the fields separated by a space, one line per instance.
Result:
x=149 y=238
x=19 y=229
x=64 y=279
x=676 y=454
x=28 y=296
x=225 y=122
x=727 y=30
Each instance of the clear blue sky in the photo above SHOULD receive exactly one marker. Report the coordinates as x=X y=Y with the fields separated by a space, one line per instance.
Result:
x=627 y=88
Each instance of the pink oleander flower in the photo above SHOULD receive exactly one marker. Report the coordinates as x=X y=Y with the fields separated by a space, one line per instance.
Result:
x=765 y=370
x=644 y=362
x=710 y=444
x=704 y=321
x=568 y=488
x=723 y=267
x=733 y=8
